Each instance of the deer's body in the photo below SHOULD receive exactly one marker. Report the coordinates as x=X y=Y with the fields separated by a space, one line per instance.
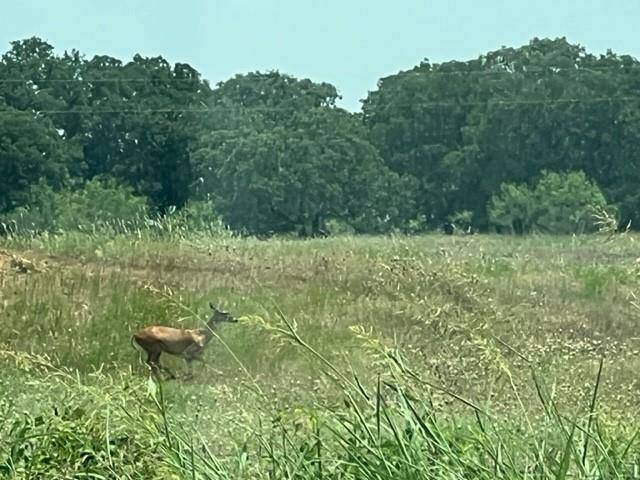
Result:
x=186 y=343
x=174 y=341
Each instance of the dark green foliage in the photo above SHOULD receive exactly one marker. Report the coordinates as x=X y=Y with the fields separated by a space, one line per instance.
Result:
x=275 y=153
x=462 y=129
x=140 y=128
x=91 y=207
x=30 y=150
x=281 y=157
x=132 y=120
x=559 y=203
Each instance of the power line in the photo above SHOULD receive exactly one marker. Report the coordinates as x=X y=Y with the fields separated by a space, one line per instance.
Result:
x=516 y=70
x=249 y=109
x=491 y=102
x=92 y=112
x=436 y=69
x=98 y=80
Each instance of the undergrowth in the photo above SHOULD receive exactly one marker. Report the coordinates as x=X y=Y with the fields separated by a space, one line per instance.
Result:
x=354 y=358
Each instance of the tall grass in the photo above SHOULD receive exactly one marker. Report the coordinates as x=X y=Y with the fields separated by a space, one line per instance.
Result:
x=356 y=357
x=385 y=429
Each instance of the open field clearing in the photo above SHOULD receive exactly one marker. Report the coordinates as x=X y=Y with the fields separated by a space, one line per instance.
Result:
x=354 y=357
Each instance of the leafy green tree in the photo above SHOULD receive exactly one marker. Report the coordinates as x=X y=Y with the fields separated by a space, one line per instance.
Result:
x=272 y=94
x=141 y=128
x=29 y=71
x=33 y=78
x=559 y=203
x=464 y=128
x=31 y=149
x=133 y=121
x=274 y=153
x=281 y=158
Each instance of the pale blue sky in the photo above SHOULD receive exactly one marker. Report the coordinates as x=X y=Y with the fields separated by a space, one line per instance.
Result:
x=350 y=43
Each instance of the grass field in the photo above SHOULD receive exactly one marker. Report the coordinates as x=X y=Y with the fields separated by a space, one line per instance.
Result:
x=355 y=357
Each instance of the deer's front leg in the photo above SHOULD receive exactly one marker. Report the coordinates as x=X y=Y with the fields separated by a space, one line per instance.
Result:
x=192 y=352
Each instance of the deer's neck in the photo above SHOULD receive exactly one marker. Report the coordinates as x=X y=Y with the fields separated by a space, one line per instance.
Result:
x=208 y=331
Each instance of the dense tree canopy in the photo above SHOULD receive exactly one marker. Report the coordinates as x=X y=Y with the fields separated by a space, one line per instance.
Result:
x=281 y=157
x=274 y=153
x=464 y=128
x=30 y=149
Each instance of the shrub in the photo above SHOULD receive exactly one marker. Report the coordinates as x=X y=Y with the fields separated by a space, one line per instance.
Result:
x=94 y=205
x=58 y=426
x=462 y=220
x=197 y=216
x=560 y=203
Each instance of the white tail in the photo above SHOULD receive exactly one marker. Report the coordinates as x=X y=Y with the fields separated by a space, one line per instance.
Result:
x=188 y=344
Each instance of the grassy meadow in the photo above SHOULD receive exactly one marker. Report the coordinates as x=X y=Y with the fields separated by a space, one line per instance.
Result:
x=354 y=357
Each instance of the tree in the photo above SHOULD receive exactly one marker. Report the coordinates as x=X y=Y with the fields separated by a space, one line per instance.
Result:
x=133 y=121
x=282 y=158
x=558 y=203
x=30 y=69
x=433 y=144
x=30 y=149
x=141 y=128
x=464 y=128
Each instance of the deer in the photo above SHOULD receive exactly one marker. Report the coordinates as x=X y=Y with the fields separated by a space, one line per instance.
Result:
x=186 y=343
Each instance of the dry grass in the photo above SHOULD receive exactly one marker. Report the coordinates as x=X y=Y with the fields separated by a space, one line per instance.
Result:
x=473 y=315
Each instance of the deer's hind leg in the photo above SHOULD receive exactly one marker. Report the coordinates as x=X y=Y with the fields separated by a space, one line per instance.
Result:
x=153 y=360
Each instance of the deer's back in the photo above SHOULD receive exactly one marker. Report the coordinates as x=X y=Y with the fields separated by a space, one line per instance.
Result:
x=168 y=339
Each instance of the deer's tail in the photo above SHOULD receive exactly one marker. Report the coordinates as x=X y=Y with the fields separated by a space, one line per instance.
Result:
x=137 y=347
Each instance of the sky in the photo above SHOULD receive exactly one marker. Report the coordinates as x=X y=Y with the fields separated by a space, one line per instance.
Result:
x=349 y=43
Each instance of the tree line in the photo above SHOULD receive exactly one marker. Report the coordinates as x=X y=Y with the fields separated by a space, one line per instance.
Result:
x=519 y=139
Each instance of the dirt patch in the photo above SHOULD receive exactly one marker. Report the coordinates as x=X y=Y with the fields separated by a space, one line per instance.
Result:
x=4 y=259
x=16 y=263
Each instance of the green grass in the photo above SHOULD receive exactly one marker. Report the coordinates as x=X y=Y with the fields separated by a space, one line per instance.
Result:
x=355 y=357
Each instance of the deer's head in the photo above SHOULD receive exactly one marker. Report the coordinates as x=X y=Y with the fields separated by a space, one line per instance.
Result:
x=220 y=316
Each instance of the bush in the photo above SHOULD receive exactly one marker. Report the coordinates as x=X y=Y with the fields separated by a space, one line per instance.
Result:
x=560 y=203
x=59 y=426
x=198 y=216
x=94 y=205
x=462 y=220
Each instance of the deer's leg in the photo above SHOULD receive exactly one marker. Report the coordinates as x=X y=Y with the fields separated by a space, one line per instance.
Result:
x=190 y=361
x=192 y=354
x=162 y=367
x=189 y=374
x=169 y=372
x=153 y=360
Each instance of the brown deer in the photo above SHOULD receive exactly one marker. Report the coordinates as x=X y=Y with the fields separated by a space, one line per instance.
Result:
x=188 y=344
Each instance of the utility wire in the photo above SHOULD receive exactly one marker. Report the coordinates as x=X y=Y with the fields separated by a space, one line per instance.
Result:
x=97 y=80
x=436 y=69
x=249 y=109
